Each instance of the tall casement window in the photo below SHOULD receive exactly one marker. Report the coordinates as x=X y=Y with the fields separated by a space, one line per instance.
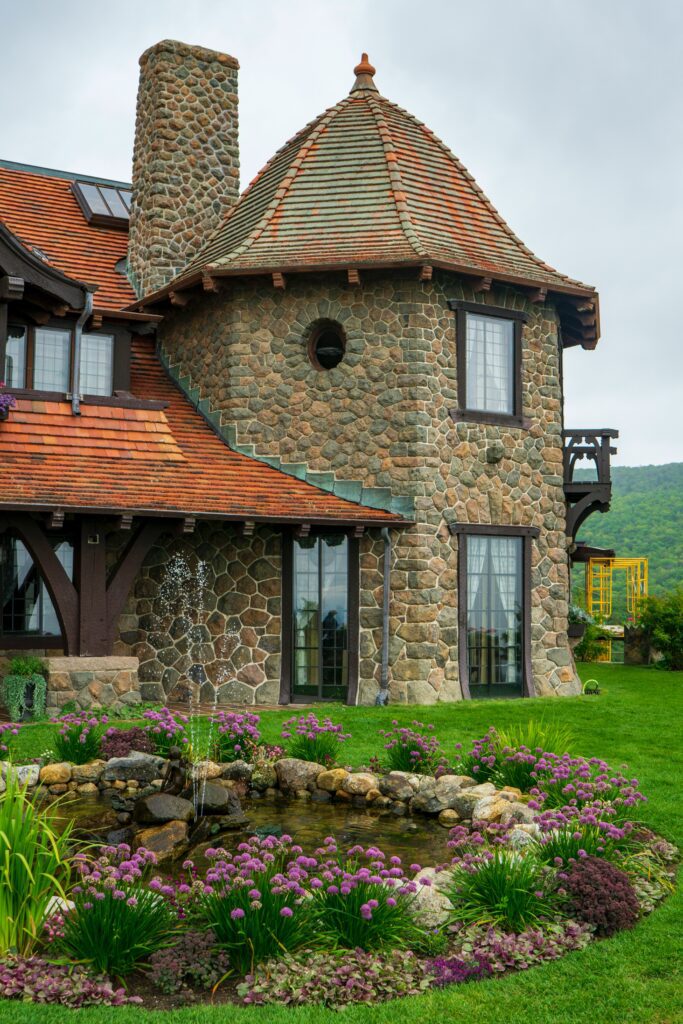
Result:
x=489 y=358
x=494 y=610
x=26 y=606
x=42 y=359
x=321 y=574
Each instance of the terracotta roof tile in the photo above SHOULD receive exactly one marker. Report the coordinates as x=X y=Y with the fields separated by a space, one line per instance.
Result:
x=168 y=461
x=41 y=210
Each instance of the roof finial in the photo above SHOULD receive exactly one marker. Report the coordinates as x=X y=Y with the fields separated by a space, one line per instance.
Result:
x=364 y=72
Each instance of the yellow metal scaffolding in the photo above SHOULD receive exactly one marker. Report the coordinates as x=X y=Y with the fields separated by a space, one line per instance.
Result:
x=600 y=583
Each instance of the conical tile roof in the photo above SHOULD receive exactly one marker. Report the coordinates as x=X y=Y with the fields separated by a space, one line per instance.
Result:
x=367 y=185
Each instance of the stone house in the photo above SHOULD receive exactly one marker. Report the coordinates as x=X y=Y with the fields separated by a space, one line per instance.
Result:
x=302 y=444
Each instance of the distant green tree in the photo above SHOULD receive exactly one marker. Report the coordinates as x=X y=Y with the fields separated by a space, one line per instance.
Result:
x=661 y=620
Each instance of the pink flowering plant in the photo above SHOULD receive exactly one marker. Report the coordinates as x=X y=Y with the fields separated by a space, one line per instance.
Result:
x=362 y=901
x=120 y=915
x=167 y=729
x=570 y=833
x=412 y=748
x=309 y=739
x=238 y=735
x=8 y=732
x=254 y=900
x=78 y=736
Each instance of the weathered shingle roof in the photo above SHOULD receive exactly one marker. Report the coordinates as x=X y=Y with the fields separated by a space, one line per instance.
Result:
x=367 y=184
x=39 y=207
x=165 y=461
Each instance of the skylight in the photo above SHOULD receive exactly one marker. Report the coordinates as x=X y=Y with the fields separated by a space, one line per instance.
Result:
x=103 y=204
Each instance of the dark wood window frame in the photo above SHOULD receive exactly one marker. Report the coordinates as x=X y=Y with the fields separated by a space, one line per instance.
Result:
x=121 y=357
x=528 y=534
x=287 y=642
x=39 y=641
x=518 y=319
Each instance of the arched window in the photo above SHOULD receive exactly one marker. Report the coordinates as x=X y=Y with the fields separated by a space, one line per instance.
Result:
x=26 y=607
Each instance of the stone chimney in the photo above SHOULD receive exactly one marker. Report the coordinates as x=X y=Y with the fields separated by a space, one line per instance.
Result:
x=186 y=158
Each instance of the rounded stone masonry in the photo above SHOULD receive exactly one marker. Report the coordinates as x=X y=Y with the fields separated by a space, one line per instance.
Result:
x=92 y=683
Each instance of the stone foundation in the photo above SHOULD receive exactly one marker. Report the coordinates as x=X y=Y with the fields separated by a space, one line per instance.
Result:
x=92 y=682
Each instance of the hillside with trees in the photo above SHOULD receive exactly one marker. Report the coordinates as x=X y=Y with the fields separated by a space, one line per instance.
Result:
x=645 y=520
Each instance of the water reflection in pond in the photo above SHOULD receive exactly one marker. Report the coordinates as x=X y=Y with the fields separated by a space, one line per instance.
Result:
x=419 y=840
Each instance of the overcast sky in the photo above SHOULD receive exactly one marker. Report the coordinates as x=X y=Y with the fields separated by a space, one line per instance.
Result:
x=567 y=112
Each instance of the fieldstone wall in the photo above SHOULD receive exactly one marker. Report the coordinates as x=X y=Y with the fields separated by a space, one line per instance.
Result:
x=109 y=682
x=203 y=617
x=186 y=157
x=378 y=428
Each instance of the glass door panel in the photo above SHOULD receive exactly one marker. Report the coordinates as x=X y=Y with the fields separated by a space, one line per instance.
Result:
x=494 y=616
x=321 y=600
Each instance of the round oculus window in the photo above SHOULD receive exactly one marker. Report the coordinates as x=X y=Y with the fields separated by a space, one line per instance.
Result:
x=326 y=347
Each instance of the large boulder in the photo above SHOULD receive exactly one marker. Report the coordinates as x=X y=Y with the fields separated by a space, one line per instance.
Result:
x=167 y=841
x=430 y=905
x=360 y=783
x=399 y=785
x=206 y=770
x=138 y=766
x=490 y=808
x=55 y=774
x=237 y=771
x=157 y=808
x=294 y=775
x=264 y=776
x=89 y=772
x=466 y=800
x=216 y=799
x=24 y=774
x=518 y=812
x=332 y=779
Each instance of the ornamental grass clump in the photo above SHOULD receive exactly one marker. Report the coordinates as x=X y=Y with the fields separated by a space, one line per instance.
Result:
x=504 y=888
x=601 y=895
x=38 y=981
x=34 y=868
x=237 y=735
x=336 y=979
x=254 y=900
x=78 y=736
x=412 y=748
x=120 y=916
x=361 y=901
x=309 y=739
x=167 y=729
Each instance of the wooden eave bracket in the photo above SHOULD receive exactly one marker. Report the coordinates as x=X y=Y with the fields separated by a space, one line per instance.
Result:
x=482 y=284
x=187 y=525
x=125 y=521
x=209 y=283
x=358 y=531
x=538 y=295
x=426 y=271
x=247 y=528
x=11 y=288
x=56 y=519
x=96 y=321
x=302 y=530
x=179 y=298
x=353 y=275
x=279 y=280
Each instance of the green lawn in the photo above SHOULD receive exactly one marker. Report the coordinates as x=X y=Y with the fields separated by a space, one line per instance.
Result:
x=635 y=977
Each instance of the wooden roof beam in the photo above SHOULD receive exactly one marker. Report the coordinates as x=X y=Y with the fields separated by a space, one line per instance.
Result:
x=11 y=288
x=210 y=283
x=279 y=280
x=482 y=284
x=426 y=271
x=179 y=299
x=353 y=276
x=538 y=295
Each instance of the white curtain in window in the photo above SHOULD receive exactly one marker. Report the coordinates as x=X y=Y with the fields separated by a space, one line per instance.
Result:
x=490 y=362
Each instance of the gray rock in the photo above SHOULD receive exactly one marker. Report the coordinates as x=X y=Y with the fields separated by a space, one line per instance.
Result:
x=237 y=771
x=161 y=807
x=90 y=772
x=518 y=812
x=139 y=766
x=216 y=799
x=295 y=775
x=399 y=785
x=360 y=783
x=430 y=906
x=25 y=774
x=264 y=776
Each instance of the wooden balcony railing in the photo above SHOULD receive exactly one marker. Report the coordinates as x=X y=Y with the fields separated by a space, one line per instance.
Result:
x=584 y=496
